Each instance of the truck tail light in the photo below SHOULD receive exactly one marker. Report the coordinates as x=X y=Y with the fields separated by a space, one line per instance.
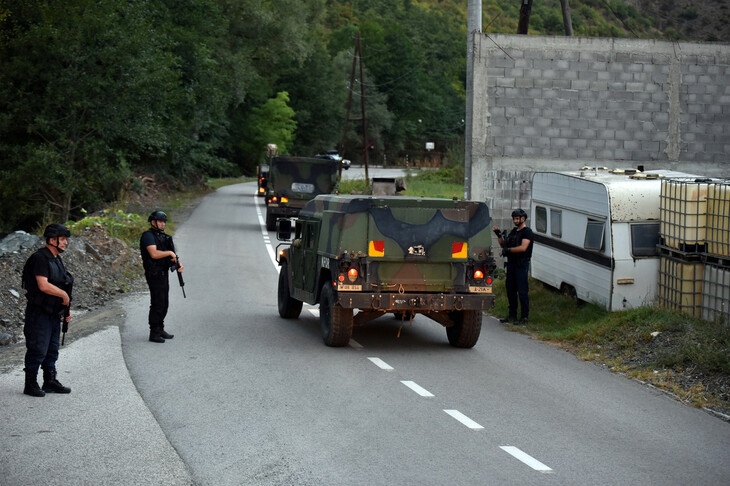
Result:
x=478 y=274
x=284 y=199
x=352 y=273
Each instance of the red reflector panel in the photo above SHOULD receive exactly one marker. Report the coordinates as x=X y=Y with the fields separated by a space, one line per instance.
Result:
x=376 y=249
x=458 y=250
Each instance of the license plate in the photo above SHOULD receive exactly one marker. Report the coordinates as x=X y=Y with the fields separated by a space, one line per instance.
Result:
x=480 y=290
x=349 y=288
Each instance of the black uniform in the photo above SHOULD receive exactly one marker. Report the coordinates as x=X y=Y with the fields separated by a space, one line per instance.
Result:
x=43 y=313
x=156 y=272
x=518 y=267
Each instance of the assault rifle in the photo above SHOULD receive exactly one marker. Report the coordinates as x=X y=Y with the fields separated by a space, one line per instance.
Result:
x=176 y=266
x=68 y=288
x=64 y=322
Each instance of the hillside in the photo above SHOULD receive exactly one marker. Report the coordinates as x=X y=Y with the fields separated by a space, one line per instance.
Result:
x=697 y=21
x=659 y=19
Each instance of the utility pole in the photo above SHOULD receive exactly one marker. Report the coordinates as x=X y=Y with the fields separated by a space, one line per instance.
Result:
x=567 y=21
x=357 y=56
x=524 y=22
x=473 y=24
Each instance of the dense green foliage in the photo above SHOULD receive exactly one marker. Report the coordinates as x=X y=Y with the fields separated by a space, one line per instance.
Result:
x=94 y=92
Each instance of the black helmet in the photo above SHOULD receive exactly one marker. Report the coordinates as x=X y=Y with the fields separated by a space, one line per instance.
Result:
x=55 y=230
x=519 y=213
x=157 y=216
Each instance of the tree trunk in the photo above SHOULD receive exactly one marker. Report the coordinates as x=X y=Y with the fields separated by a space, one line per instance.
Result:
x=567 y=22
x=524 y=23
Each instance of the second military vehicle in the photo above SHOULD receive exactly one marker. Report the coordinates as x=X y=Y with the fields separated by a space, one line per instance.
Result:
x=295 y=180
x=388 y=254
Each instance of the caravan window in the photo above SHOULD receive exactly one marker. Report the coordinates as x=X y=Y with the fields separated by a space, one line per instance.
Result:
x=594 y=235
x=556 y=223
x=540 y=219
x=644 y=239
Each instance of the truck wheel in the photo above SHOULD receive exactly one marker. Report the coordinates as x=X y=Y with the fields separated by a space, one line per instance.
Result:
x=465 y=332
x=289 y=308
x=270 y=221
x=336 y=321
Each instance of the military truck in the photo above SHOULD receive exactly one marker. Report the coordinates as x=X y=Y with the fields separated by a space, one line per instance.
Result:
x=295 y=180
x=262 y=173
x=388 y=254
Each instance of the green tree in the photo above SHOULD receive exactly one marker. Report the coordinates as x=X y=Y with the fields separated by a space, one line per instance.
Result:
x=272 y=122
x=82 y=92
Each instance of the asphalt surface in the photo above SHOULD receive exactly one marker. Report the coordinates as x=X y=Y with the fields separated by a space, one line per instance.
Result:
x=241 y=396
x=101 y=433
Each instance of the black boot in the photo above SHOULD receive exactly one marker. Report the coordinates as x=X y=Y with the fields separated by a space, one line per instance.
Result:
x=31 y=384
x=165 y=335
x=51 y=384
x=155 y=336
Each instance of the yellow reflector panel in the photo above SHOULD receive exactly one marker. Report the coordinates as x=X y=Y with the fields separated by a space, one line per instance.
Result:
x=458 y=250
x=376 y=248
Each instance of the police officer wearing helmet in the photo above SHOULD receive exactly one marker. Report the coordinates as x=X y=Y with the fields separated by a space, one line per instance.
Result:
x=517 y=247
x=158 y=256
x=48 y=290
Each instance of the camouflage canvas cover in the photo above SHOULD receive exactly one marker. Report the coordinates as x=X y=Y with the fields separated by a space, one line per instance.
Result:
x=301 y=178
x=418 y=244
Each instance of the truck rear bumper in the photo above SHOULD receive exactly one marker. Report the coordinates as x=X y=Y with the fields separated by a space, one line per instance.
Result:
x=284 y=211
x=414 y=302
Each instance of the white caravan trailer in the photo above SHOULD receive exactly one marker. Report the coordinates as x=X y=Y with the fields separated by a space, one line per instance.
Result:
x=596 y=234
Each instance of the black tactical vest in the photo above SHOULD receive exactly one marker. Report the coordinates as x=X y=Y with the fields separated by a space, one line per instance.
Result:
x=163 y=242
x=57 y=275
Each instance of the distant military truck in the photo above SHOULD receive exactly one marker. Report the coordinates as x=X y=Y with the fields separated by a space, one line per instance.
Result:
x=263 y=179
x=293 y=181
x=388 y=254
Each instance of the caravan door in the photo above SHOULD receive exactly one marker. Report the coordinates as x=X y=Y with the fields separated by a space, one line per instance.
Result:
x=636 y=264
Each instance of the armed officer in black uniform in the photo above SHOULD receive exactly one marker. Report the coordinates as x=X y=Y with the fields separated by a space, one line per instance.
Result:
x=158 y=257
x=517 y=247
x=48 y=290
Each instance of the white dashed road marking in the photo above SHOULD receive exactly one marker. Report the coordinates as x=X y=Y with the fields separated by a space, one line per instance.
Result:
x=525 y=458
x=381 y=364
x=464 y=419
x=417 y=388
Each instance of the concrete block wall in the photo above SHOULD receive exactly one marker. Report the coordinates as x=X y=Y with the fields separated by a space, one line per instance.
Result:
x=559 y=103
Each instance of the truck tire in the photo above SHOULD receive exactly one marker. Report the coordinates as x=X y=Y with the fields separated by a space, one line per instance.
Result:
x=289 y=308
x=465 y=332
x=270 y=221
x=335 y=320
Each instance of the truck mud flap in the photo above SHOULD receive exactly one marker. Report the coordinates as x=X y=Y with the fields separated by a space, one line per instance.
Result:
x=415 y=302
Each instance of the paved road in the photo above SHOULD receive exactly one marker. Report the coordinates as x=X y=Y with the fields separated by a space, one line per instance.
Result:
x=246 y=397
x=241 y=396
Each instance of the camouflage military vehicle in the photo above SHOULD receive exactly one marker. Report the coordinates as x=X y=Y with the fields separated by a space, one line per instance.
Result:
x=388 y=254
x=295 y=180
